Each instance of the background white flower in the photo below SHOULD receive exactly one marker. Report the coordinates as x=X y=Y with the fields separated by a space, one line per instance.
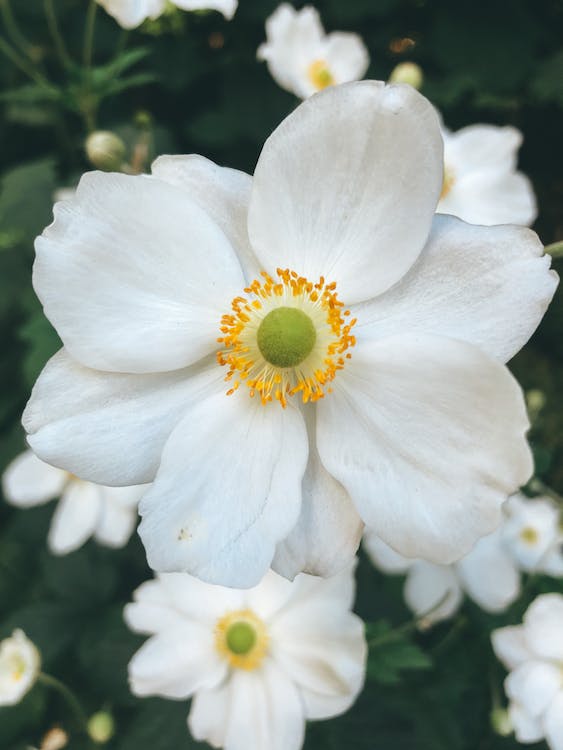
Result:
x=481 y=183
x=303 y=59
x=532 y=532
x=258 y=663
x=533 y=653
x=20 y=663
x=131 y=13
x=109 y=514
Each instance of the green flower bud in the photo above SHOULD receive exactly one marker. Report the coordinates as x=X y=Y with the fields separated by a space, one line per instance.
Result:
x=407 y=72
x=500 y=722
x=101 y=727
x=105 y=150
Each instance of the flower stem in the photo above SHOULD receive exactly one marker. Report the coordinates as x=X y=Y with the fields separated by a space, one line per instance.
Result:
x=14 y=31
x=68 y=695
x=407 y=627
x=89 y=33
x=23 y=65
x=555 y=249
x=56 y=35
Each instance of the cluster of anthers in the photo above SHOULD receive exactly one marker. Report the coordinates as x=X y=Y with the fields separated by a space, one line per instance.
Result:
x=290 y=336
x=241 y=638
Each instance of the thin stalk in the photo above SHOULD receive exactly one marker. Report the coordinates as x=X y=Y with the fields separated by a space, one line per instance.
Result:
x=56 y=35
x=14 y=31
x=407 y=627
x=89 y=30
x=555 y=249
x=68 y=695
x=23 y=65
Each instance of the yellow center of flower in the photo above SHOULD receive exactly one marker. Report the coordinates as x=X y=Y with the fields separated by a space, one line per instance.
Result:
x=16 y=667
x=529 y=535
x=288 y=336
x=449 y=179
x=242 y=639
x=320 y=75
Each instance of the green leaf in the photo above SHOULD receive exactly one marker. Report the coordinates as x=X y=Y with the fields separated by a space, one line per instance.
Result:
x=392 y=652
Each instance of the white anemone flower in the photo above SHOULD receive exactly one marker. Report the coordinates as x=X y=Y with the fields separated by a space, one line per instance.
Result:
x=481 y=183
x=533 y=654
x=85 y=510
x=131 y=13
x=303 y=59
x=20 y=663
x=487 y=574
x=257 y=663
x=532 y=532
x=292 y=355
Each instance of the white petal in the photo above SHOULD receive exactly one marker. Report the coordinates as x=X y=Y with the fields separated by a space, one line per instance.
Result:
x=552 y=563
x=384 y=557
x=106 y=427
x=489 y=575
x=488 y=286
x=428 y=586
x=553 y=723
x=131 y=13
x=226 y=7
x=533 y=685
x=482 y=147
x=427 y=435
x=227 y=491
x=346 y=187
x=222 y=192
x=177 y=663
x=328 y=532
x=543 y=626
x=346 y=55
x=209 y=715
x=152 y=610
x=75 y=517
x=28 y=481
x=526 y=728
x=118 y=516
x=134 y=275
x=510 y=646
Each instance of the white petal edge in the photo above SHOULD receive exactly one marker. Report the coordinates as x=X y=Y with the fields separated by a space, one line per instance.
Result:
x=28 y=481
x=75 y=517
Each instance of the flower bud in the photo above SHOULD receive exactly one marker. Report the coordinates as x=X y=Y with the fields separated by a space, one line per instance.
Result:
x=407 y=72
x=500 y=722
x=105 y=150
x=535 y=400
x=101 y=727
x=20 y=663
x=55 y=739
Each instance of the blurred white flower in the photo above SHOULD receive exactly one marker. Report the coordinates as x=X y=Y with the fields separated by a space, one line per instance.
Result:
x=20 y=663
x=532 y=532
x=132 y=13
x=303 y=59
x=258 y=663
x=481 y=184
x=487 y=574
x=85 y=509
x=64 y=194
x=533 y=653
x=363 y=351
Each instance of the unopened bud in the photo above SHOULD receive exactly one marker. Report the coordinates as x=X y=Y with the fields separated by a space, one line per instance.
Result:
x=55 y=739
x=501 y=722
x=407 y=72
x=535 y=400
x=101 y=727
x=105 y=150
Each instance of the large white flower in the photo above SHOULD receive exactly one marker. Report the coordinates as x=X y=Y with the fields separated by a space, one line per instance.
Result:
x=294 y=354
x=258 y=663
x=532 y=533
x=481 y=184
x=303 y=59
x=20 y=663
x=132 y=13
x=109 y=514
x=487 y=574
x=533 y=653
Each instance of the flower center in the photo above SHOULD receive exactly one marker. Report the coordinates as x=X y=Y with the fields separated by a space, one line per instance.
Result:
x=320 y=75
x=529 y=535
x=242 y=639
x=289 y=336
x=449 y=179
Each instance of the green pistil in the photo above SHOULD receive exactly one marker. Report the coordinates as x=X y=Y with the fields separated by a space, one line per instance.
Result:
x=286 y=337
x=241 y=638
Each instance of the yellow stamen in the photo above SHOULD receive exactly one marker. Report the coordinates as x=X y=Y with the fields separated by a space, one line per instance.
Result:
x=328 y=351
x=242 y=639
x=449 y=179
x=320 y=75
x=529 y=535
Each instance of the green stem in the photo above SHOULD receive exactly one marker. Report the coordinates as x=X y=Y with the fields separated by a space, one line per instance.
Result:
x=56 y=35
x=407 y=627
x=89 y=30
x=23 y=65
x=450 y=636
x=555 y=249
x=68 y=695
x=121 y=42
x=14 y=31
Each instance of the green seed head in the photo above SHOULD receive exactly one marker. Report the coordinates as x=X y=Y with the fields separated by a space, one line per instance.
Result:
x=286 y=337
x=241 y=638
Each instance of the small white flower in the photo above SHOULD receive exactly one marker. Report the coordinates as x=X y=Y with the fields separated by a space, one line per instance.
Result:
x=481 y=184
x=20 y=663
x=292 y=355
x=303 y=59
x=487 y=574
x=132 y=13
x=258 y=663
x=85 y=509
x=533 y=653
x=532 y=533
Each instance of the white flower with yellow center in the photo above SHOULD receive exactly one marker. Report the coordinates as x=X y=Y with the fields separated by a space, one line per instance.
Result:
x=487 y=574
x=20 y=663
x=303 y=59
x=132 y=13
x=108 y=514
x=257 y=663
x=533 y=534
x=533 y=653
x=292 y=355
x=481 y=182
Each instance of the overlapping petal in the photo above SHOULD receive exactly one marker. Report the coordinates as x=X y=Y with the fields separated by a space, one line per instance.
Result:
x=75 y=518
x=433 y=590
x=493 y=592
x=543 y=627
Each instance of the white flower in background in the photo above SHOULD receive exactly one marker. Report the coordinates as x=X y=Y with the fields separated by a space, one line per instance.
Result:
x=85 y=510
x=487 y=574
x=258 y=663
x=303 y=59
x=20 y=663
x=532 y=532
x=533 y=653
x=361 y=338
x=481 y=184
x=132 y=13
